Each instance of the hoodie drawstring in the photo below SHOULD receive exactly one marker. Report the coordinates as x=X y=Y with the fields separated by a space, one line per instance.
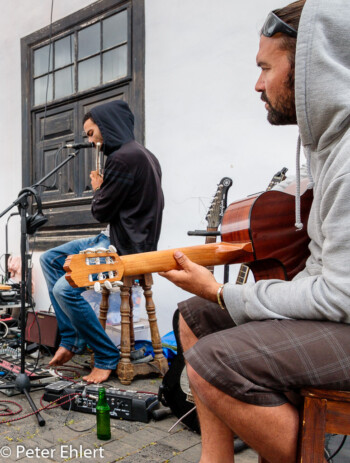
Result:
x=311 y=183
x=298 y=223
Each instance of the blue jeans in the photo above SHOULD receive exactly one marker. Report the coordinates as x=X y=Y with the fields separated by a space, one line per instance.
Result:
x=77 y=321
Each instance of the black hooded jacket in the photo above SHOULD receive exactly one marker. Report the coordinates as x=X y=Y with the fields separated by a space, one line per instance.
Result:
x=130 y=198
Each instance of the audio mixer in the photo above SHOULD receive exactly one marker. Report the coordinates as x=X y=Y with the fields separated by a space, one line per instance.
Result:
x=128 y=405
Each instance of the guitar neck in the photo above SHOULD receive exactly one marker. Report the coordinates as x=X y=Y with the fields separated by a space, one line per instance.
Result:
x=205 y=255
x=83 y=268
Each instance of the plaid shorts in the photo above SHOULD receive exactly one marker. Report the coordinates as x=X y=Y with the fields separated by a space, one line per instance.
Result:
x=266 y=362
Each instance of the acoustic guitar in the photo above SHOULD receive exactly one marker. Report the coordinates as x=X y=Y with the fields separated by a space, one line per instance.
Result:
x=258 y=229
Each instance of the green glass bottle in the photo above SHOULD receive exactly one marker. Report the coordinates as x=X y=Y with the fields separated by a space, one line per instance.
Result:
x=103 y=418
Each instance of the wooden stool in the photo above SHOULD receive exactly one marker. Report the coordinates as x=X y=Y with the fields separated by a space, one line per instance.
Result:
x=104 y=306
x=324 y=412
x=126 y=370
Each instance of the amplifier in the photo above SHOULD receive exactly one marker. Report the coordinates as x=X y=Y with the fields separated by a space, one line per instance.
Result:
x=127 y=405
x=47 y=324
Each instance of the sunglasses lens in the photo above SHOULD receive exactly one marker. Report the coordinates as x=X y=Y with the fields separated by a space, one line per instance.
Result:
x=269 y=28
x=274 y=24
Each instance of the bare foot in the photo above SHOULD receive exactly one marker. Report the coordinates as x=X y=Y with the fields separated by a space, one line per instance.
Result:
x=97 y=375
x=61 y=357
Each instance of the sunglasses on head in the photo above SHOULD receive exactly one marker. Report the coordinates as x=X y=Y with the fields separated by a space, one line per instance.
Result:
x=274 y=24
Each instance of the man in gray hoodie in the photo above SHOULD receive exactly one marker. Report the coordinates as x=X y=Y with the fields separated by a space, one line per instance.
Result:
x=249 y=348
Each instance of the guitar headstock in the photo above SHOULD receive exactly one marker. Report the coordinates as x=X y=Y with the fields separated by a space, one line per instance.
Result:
x=90 y=266
x=218 y=204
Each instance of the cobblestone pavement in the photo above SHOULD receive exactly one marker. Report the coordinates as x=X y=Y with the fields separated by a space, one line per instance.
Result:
x=71 y=436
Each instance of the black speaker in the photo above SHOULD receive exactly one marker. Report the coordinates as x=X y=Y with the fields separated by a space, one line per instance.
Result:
x=47 y=324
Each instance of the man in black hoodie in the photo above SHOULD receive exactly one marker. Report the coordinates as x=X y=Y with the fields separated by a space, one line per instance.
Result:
x=129 y=198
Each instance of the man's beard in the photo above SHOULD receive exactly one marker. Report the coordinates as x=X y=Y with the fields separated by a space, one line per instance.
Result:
x=283 y=113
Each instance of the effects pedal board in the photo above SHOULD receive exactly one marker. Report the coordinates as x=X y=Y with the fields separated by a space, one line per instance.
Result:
x=10 y=367
x=126 y=405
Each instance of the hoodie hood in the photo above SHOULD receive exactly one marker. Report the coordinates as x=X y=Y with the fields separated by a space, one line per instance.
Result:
x=321 y=291
x=322 y=72
x=116 y=123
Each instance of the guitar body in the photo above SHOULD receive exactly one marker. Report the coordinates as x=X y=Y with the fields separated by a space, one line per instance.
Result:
x=267 y=220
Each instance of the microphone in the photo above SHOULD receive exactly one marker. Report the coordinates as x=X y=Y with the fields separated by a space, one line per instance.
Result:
x=77 y=146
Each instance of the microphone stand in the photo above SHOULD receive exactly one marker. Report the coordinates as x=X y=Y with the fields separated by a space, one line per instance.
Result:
x=7 y=255
x=22 y=381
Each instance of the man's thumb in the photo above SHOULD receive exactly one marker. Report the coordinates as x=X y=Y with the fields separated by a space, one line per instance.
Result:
x=181 y=259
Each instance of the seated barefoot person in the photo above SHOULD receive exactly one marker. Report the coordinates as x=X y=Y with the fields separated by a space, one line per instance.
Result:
x=129 y=198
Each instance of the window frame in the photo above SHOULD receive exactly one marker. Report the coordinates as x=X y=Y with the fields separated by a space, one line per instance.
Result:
x=126 y=6
x=134 y=82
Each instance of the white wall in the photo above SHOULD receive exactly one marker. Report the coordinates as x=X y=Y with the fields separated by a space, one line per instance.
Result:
x=18 y=18
x=203 y=119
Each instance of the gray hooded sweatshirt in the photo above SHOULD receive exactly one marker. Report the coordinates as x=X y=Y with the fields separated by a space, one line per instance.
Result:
x=322 y=90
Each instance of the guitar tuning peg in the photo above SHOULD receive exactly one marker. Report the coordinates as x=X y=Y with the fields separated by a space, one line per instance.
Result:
x=97 y=287
x=113 y=287
x=84 y=251
x=101 y=250
x=101 y=276
x=112 y=248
